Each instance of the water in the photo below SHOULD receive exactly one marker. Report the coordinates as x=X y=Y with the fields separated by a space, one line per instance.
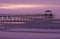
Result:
x=33 y=30
x=47 y=34
x=29 y=33
x=22 y=35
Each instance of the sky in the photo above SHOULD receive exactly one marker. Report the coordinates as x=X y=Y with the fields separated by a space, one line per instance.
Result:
x=29 y=6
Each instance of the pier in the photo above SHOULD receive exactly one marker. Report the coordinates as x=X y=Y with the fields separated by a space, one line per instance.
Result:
x=40 y=21
x=25 y=17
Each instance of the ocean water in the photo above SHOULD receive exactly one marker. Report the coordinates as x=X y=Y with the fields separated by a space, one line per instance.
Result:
x=24 y=35
x=33 y=30
x=30 y=34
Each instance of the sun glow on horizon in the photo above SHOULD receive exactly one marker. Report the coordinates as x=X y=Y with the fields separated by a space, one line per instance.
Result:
x=18 y=6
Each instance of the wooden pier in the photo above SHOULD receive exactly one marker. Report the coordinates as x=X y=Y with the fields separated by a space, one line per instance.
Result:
x=6 y=18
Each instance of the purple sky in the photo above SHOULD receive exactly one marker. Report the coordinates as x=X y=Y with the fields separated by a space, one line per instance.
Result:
x=53 y=5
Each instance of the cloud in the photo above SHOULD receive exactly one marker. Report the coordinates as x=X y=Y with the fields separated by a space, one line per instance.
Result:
x=19 y=6
x=31 y=1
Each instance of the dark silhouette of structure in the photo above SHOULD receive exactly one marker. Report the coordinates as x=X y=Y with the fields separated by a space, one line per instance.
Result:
x=48 y=14
x=27 y=17
x=29 y=21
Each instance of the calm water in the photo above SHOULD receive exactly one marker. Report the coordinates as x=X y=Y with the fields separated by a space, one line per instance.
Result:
x=21 y=35
x=29 y=35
